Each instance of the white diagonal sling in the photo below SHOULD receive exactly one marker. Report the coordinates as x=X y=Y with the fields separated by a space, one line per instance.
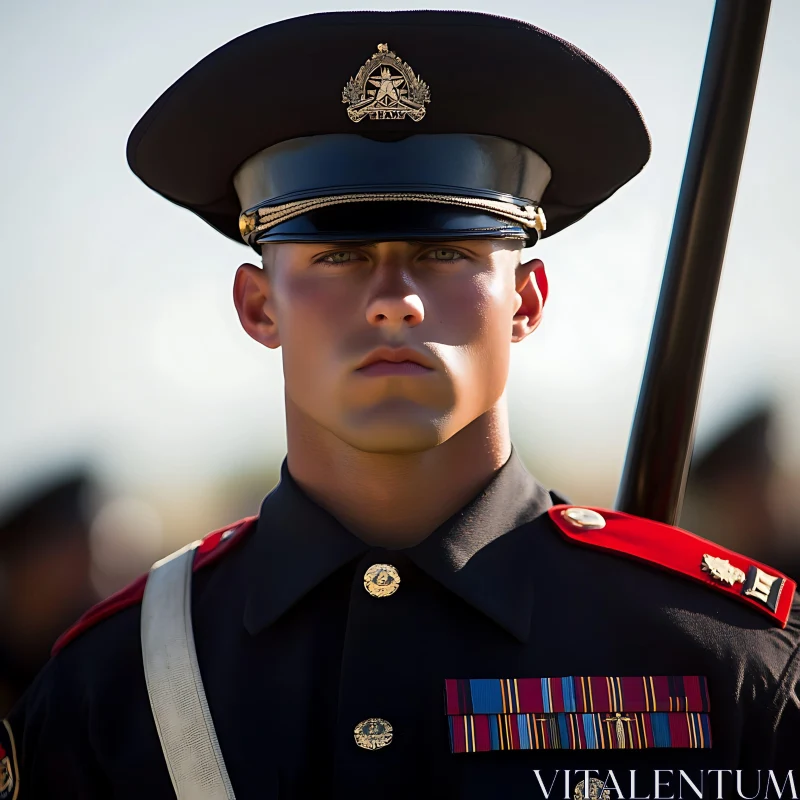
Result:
x=174 y=684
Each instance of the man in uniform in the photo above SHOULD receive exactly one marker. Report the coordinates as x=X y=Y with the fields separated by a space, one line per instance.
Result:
x=411 y=614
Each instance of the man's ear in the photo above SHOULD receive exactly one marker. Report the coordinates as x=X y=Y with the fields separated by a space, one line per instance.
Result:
x=252 y=296
x=531 y=288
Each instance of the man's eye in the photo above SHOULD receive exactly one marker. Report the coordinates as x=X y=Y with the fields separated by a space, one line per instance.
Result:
x=446 y=255
x=340 y=257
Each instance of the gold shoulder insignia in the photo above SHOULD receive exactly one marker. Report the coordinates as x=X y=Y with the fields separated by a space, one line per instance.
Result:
x=680 y=552
x=721 y=569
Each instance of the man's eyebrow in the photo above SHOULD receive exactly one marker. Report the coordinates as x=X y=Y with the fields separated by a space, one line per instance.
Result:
x=341 y=245
x=412 y=242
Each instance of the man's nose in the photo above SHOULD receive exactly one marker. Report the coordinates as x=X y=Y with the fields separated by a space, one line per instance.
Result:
x=395 y=306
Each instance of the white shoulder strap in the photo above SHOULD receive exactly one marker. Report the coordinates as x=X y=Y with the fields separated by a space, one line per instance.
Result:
x=174 y=685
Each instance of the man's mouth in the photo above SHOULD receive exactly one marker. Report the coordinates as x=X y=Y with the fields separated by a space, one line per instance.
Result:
x=394 y=361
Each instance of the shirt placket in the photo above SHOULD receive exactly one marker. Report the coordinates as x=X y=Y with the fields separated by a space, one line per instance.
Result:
x=378 y=710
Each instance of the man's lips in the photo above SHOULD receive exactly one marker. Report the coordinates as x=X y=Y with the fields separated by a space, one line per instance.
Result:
x=377 y=368
x=394 y=361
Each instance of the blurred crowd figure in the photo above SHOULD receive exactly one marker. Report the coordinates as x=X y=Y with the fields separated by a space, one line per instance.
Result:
x=45 y=574
x=66 y=543
x=738 y=496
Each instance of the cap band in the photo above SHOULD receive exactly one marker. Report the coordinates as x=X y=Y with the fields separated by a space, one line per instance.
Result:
x=262 y=218
x=499 y=182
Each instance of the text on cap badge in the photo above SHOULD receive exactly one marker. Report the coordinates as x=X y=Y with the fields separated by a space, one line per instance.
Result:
x=386 y=88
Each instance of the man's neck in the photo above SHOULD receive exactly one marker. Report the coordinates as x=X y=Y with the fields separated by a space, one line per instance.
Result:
x=397 y=500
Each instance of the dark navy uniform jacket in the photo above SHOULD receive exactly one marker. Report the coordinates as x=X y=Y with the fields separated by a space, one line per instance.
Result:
x=294 y=653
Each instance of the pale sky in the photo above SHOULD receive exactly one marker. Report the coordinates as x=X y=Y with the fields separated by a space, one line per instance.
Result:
x=119 y=338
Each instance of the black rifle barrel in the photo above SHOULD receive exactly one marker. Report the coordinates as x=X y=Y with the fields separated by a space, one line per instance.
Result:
x=659 y=450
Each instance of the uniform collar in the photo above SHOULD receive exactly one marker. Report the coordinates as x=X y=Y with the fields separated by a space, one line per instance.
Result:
x=484 y=553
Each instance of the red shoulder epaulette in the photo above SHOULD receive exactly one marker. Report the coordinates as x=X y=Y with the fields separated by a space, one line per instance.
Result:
x=211 y=548
x=679 y=551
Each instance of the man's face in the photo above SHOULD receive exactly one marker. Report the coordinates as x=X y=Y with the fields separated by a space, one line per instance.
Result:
x=396 y=346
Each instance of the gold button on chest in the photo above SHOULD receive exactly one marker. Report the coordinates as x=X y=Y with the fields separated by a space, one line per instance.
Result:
x=381 y=580
x=373 y=733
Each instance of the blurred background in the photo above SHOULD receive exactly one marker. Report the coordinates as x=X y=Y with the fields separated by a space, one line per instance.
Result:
x=135 y=415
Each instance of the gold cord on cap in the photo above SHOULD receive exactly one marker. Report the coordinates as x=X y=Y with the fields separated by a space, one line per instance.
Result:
x=262 y=218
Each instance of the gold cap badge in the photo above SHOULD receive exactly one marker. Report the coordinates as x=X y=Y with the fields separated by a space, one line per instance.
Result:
x=386 y=88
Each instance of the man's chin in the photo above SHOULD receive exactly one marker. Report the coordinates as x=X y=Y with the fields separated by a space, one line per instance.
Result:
x=394 y=430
